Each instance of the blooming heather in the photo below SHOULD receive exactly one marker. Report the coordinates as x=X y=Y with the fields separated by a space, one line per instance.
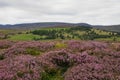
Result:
x=79 y=60
x=5 y=44
x=22 y=67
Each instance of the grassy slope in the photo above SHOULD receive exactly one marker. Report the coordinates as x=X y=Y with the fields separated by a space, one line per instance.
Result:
x=29 y=36
x=24 y=37
x=32 y=36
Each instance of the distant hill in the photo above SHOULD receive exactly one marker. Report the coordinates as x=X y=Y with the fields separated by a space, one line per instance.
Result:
x=114 y=28
x=41 y=25
x=29 y=26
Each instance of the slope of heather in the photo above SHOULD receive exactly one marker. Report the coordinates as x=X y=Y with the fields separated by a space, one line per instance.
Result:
x=59 y=60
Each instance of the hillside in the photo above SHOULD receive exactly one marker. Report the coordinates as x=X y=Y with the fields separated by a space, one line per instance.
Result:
x=31 y=26
x=59 y=60
x=59 y=30
x=28 y=26
x=60 y=33
x=114 y=28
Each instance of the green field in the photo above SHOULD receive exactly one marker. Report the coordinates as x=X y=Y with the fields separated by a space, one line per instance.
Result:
x=24 y=37
x=68 y=33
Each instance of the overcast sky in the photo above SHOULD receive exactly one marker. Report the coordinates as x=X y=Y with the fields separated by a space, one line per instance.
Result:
x=105 y=12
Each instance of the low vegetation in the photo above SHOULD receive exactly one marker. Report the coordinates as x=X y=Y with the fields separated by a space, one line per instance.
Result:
x=68 y=33
x=60 y=60
x=71 y=53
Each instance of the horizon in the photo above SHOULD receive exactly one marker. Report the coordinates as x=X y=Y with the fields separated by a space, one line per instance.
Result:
x=95 y=12
x=61 y=22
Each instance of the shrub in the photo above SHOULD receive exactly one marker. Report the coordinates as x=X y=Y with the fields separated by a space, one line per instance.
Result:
x=5 y=44
x=60 y=45
x=28 y=47
x=33 y=51
x=52 y=75
x=20 y=74
x=1 y=57
x=80 y=60
x=20 y=68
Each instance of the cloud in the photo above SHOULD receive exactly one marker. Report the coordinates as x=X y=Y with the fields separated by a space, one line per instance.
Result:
x=89 y=11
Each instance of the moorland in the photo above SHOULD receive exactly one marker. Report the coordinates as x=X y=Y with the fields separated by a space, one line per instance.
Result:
x=59 y=52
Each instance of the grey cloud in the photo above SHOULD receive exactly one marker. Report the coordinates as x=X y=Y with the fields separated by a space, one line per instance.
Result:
x=91 y=11
x=3 y=4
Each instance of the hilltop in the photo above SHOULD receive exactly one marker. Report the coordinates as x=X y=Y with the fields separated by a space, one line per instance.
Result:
x=29 y=26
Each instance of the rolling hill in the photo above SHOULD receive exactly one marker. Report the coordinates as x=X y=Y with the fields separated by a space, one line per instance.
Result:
x=41 y=25
x=29 y=26
x=113 y=28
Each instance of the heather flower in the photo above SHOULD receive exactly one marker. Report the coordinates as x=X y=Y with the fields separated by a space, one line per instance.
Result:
x=5 y=44
x=23 y=47
x=78 y=60
x=22 y=67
